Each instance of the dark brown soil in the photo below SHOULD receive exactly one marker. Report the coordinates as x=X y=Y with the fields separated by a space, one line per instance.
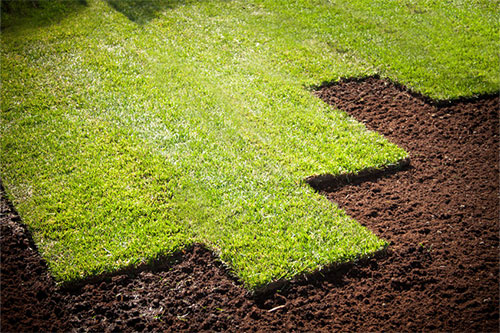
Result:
x=441 y=272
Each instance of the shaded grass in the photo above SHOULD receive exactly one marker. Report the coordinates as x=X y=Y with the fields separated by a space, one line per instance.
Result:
x=141 y=11
x=128 y=137
x=36 y=12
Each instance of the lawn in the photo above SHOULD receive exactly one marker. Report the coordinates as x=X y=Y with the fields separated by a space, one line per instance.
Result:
x=131 y=130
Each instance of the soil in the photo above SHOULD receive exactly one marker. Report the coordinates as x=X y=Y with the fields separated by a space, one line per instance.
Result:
x=440 y=214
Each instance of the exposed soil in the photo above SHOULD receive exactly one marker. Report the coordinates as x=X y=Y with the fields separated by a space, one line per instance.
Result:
x=441 y=271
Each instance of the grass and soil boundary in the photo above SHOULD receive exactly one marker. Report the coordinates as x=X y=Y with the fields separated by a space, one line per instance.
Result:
x=440 y=273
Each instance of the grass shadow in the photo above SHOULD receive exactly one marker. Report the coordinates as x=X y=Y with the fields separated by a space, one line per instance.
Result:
x=37 y=13
x=330 y=183
x=143 y=11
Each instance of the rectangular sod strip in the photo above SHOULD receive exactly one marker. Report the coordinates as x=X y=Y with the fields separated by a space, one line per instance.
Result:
x=131 y=130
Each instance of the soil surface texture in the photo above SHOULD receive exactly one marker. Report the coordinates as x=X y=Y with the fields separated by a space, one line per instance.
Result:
x=440 y=273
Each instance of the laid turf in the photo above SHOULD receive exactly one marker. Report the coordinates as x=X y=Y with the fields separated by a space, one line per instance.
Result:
x=133 y=129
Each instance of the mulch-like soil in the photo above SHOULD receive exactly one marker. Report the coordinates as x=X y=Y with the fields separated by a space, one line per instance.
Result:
x=440 y=273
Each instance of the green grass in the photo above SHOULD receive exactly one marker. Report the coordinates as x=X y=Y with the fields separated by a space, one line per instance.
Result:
x=133 y=129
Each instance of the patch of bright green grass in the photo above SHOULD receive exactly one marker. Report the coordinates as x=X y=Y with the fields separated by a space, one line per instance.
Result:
x=130 y=131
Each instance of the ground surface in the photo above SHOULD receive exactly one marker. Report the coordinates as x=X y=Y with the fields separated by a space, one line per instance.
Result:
x=440 y=273
x=133 y=130
x=124 y=142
